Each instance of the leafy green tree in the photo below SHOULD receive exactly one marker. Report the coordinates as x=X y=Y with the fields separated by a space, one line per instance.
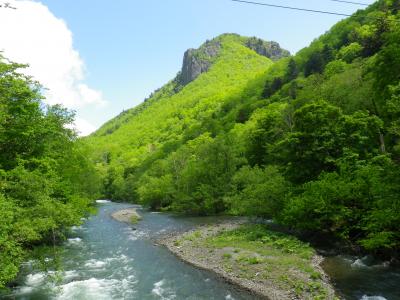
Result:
x=393 y=112
x=321 y=134
x=157 y=192
x=272 y=87
x=327 y=53
x=21 y=126
x=292 y=70
x=386 y=70
x=312 y=146
x=258 y=192
x=270 y=128
x=370 y=36
x=314 y=64
x=11 y=250
x=335 y=67
x=350 y=52
x=46 y=180
x=356 y=204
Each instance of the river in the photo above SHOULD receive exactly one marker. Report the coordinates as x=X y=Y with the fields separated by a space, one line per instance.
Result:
x=106 y=259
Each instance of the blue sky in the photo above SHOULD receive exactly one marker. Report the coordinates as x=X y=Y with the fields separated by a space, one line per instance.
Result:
x=131 y=47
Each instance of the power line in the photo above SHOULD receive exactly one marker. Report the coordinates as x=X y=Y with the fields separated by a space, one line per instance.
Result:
x=308 y=10
x=294 y=8
x=350 y=2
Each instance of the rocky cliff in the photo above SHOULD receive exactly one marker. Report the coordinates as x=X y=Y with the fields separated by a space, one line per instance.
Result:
x=271 y=49
x=198 y=61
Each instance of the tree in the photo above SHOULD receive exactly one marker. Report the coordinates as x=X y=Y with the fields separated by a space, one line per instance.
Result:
x=258 y=192
x=292 y=70
x=314 y=64
x=21 y=123
x=371 y=36
x=321 y=135
x=46 y=183
x=386 y=70
x=327 y=54
x=156 y=192
x=356 y=204
x=269 y=130
x=271 y=88
x=350 y=52
x=393 y=113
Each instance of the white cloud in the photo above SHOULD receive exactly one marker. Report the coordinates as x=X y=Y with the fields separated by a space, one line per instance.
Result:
x=84 y=127
x=32 y=34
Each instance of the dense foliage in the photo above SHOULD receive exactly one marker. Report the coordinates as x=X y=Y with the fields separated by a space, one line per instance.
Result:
x=46 y=182
x=311 y=141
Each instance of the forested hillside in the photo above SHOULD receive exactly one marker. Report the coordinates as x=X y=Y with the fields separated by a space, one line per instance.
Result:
x=47 y=184
x=311 y=141
x=180 y=113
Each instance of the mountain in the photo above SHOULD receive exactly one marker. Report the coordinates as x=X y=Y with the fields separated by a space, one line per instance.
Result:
x=213 y=78
x=198 y=61
x=311 y=140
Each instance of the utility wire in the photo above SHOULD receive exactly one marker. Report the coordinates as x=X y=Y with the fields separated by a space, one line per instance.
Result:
x=306 y=9
x=293 y=8
x=350 y=2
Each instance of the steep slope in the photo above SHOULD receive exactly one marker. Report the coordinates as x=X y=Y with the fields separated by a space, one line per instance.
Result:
x=198 y=61
x=329 y=137
x=212 y=76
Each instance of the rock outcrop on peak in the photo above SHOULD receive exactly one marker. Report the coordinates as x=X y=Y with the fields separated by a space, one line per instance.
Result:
x=271 y=49
x=197 y=61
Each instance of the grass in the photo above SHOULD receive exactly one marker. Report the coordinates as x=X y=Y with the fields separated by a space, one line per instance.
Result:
x=195 y=235
x=135 y=219
x=256 y=252
x=227 y=255
x=266 y=242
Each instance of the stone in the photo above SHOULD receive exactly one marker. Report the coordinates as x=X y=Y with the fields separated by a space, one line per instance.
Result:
x=271 y=49
x=198 y=61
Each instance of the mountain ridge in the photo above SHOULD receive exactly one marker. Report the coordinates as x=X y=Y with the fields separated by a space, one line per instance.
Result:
x=196 y=62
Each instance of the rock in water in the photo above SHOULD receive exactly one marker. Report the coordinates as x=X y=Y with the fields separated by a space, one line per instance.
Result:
x=128 y=215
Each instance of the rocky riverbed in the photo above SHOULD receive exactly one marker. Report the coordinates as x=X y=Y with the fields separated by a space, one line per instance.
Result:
x=266 y=270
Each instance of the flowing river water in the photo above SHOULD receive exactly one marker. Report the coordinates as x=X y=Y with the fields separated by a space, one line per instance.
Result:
x=106 y=259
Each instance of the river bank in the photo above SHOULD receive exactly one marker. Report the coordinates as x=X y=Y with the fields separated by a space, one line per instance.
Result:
x=269 y=265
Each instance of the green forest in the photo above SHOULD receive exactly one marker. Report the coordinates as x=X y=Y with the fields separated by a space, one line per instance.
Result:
x=47 y=182
x=311 y=141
